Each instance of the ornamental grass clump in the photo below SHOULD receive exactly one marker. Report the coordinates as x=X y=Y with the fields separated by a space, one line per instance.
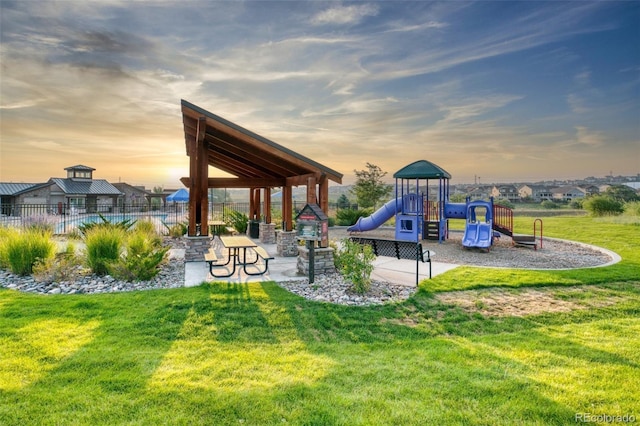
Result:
x=176 y=230
x=22 y=250
x=355 y=263
x=104 y=246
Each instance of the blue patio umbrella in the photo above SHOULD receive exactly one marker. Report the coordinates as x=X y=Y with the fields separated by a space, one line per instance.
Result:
x=180 y=196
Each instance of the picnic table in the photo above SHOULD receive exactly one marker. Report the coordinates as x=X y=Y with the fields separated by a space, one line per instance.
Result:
x=239 y=249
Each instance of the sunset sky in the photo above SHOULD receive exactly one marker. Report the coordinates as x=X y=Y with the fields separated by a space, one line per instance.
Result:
x=503 y=90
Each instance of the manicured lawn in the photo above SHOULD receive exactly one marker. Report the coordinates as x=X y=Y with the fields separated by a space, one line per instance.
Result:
x=256 y=354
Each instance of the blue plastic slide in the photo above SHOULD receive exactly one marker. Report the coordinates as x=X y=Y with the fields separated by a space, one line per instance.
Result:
x=378 y=217
x=477 y=235
x=470 y=234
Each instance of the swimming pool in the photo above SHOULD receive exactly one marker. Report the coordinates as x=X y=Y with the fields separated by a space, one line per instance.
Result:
x=68 y=223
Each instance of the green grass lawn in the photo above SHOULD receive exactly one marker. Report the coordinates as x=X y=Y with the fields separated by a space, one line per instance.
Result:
x=255 y=354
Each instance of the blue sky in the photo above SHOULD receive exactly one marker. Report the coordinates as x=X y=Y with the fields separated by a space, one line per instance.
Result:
x=503 y=90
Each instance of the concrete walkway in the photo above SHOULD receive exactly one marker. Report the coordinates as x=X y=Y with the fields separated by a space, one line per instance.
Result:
x=387 y=269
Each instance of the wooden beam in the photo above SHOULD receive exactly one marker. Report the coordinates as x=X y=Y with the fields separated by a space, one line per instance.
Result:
x=239 y=182
x=302 y=179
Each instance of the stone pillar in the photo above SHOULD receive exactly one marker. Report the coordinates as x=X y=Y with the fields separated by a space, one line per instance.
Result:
x=323 y=261
x=197 y=247
x=287 y=243
x=268 y=233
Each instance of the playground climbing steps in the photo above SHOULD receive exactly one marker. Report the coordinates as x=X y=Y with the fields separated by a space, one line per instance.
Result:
x=503 y=223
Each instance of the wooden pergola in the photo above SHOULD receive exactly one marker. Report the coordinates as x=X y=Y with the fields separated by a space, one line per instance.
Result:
x=256 y=162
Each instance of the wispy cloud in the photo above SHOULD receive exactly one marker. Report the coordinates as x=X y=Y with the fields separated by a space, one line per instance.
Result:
x=345 y=14
x=342 y=83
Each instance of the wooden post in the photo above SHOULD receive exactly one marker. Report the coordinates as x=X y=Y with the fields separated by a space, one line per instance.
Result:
x=287 y=208
x=267 y=205
x=323 y=186
x=192 y=189
x=203 y=166
x=311 y=191
x=198 y=173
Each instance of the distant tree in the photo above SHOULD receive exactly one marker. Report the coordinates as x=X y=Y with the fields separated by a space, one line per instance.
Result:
x=343 y=202
x=217 y=195
x=369 y=188
x=622 y=193
x=156 y=202
x=505 y=203
x=458 y=198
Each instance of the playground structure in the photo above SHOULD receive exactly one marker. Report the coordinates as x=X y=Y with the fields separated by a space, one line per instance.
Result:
x=419 y=217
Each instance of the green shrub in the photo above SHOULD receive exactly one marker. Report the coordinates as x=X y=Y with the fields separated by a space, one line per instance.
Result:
x=577 y=203
x=348 y=217
x=21 y=250
x=355 y=263
x=104 y=245
x=548 y=204
x=600 y=205
x=238 y=220
x=143 y=256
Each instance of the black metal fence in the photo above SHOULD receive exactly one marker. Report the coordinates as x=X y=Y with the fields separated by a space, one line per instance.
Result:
x=65 y=219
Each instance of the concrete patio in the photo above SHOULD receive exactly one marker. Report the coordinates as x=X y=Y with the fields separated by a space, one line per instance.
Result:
x=392 y=270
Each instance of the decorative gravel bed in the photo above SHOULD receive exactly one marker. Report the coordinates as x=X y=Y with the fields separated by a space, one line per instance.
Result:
x=334 y=288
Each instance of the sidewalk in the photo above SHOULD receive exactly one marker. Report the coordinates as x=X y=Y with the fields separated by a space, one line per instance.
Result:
x=388 y=269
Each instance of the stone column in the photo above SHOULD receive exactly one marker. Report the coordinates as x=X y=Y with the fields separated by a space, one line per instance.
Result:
x=323 y=261
x=268 y=233
x=287 y=243
x=197 y=247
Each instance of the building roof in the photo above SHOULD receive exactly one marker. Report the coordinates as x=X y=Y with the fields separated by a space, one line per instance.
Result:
x=422 y=169
x=80 y=167
x=15 y=188
x=567 y=188
x=247 y=155
x=89 y=187
x=123 y=185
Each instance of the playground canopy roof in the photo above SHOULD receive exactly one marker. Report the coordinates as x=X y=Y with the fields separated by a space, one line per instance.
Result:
x=422 y=169
x=255 y=160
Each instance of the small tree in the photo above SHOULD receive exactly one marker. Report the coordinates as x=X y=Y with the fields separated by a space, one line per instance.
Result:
x=343 y=202
x=355 y=262
x=369 y=188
